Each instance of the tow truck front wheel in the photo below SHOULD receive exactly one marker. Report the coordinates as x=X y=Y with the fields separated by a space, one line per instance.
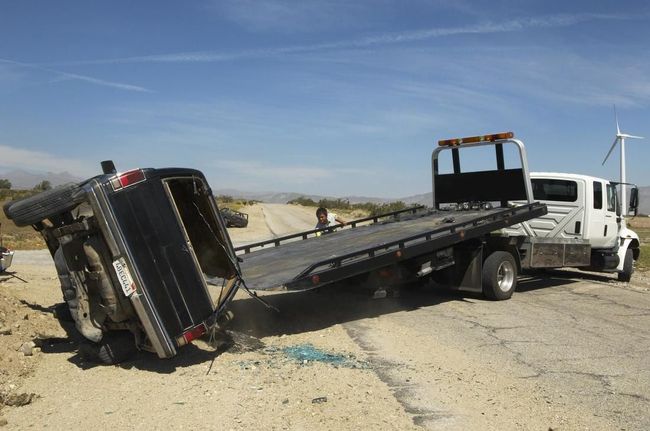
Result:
x=499 y=276
x=628 y=267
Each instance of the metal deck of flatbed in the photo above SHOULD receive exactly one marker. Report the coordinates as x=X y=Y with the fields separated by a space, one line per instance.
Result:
x=293 y=264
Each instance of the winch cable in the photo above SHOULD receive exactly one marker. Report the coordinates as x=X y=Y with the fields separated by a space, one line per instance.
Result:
x=240 y=279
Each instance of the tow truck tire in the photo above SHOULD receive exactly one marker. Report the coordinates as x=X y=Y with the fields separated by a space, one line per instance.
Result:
x=46 y=204
x=628 y=267
x=499 y=276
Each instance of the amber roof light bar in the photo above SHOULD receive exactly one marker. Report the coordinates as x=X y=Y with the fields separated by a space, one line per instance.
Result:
x=473 y=139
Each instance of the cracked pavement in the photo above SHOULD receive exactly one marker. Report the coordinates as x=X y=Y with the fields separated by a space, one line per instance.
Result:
x=568 y=351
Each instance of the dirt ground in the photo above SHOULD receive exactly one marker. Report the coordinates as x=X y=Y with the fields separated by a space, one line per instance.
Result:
x=29 y=291
x=293 y=372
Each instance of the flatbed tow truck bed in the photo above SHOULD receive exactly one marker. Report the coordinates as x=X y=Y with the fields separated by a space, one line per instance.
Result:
x=317 y=260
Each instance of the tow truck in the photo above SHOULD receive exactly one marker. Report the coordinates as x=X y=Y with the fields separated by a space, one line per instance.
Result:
x=484 y=228
x=456 y=242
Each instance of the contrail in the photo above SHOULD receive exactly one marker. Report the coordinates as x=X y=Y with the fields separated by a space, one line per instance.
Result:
x=74 y=76
x=562 y=20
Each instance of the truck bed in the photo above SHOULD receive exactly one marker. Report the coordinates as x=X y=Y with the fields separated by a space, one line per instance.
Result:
x=317 y=260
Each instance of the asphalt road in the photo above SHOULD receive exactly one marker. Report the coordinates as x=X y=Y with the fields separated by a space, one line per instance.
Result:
x=568 y=351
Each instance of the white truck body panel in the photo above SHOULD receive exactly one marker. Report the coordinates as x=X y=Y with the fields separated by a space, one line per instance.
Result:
x=579 y=207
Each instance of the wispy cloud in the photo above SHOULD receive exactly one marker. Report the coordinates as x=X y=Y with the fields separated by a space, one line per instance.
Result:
x=288 y=16
x=41 y=161
x=519 y=24
x=62 y=76
x=285 y=173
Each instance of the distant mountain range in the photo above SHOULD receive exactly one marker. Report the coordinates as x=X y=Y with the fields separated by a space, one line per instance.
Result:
x=274 y=197
x=26 y=180
x=421 y=199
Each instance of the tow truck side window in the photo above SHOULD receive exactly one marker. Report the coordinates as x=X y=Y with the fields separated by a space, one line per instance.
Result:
x=554 y=190
x=598 y=195
x=611 y=198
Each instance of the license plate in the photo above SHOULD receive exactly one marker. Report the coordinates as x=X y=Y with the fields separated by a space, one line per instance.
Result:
x=124 y=276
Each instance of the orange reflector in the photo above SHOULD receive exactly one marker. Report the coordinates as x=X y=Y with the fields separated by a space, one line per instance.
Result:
x=473 y=139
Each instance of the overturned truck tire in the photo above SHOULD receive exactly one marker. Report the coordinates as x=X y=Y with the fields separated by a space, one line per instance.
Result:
x=34 y=209
x=114 y=348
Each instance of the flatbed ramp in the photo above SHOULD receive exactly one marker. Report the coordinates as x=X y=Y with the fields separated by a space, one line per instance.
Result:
x=316 y=260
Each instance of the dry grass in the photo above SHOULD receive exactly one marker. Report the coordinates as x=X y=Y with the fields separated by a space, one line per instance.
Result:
x=641 y=225
x=19 y=238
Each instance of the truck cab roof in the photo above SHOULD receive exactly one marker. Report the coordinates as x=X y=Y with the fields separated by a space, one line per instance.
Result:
x=563 y=175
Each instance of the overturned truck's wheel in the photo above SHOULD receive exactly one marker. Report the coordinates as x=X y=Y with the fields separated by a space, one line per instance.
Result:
x=114 y=348
x=44 y=205
x=499 y=276
x=628 y=267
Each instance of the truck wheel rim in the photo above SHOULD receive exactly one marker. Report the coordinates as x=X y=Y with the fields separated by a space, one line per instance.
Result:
x=505 y=276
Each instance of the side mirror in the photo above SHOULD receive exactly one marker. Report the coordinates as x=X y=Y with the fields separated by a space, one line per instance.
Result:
x=634 y=200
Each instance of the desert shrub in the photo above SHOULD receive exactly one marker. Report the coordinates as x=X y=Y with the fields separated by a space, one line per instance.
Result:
x=224 y=199
x=303 y=201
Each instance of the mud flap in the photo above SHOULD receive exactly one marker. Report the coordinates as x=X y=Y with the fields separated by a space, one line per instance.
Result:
x=466 y=273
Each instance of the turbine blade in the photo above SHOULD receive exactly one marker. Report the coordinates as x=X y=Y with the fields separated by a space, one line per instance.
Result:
x=618 y=130
x=625 y=135
x=610 y=150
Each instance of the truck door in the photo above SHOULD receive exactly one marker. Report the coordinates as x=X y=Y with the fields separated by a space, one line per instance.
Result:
x=610 y=230
x=596 y=231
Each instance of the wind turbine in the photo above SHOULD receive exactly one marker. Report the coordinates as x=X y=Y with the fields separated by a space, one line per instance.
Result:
x=621 y=137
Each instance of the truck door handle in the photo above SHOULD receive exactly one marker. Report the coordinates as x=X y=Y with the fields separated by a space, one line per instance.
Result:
x=605 y=232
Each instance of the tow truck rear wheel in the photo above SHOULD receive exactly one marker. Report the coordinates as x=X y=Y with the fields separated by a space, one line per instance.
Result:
x=628 y=267
x=499 y=276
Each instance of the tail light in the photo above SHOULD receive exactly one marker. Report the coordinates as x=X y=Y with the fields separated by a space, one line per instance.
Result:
x=191 y=334
x=127 y=179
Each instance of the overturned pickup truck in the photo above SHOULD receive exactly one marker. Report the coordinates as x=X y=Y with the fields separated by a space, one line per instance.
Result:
x=143 y=257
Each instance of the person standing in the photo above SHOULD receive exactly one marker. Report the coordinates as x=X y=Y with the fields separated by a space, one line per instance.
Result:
x=327 y=219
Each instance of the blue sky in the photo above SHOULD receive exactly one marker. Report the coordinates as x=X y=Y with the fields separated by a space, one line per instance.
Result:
x=333 y=98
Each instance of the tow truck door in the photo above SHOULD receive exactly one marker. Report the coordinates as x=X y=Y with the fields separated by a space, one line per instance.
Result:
x=603 y=221
x=609 y=234
x=596 y=231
